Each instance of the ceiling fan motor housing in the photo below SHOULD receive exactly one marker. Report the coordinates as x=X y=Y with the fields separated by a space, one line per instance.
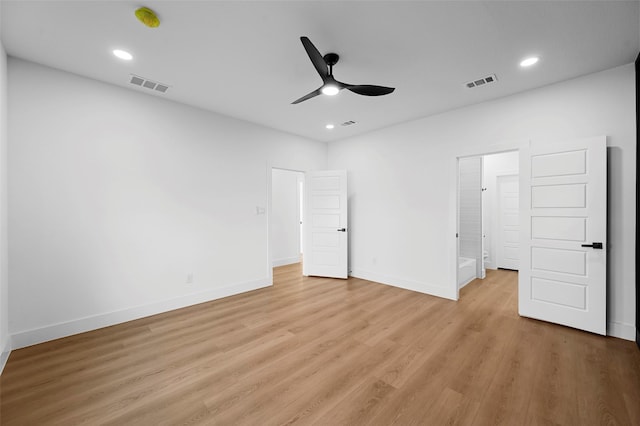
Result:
x=331 y=59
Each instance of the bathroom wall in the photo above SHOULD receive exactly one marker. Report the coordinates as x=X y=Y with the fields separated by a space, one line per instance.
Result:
x=494 y=165
x=470 y=210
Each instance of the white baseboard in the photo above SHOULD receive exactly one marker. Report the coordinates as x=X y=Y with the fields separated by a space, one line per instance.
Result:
x=81 y=325
x=433 y=290
x=465 y=283
x=285 y=261
x=32 y=337
x=4 y=355
x=621 y=330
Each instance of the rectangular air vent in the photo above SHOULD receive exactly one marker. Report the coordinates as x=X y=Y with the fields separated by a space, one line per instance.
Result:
x=149 y=84
x=481 y=81
x=348 y=123
x=161 y=88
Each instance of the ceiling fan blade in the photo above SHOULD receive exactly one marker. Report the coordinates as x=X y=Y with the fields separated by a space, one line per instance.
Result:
x=308 y=96
x=316 y=58
x=368 y=89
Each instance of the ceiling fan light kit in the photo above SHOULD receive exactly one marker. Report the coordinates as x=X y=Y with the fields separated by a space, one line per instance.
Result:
x=331 y=86
x=330 y=90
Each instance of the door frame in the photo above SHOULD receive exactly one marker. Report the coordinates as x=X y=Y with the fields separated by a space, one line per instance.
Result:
x=498 y=148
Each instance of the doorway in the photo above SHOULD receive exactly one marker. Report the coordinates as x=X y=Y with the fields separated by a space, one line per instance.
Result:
x=487 y=215
x=286 y=220
x=562 y=269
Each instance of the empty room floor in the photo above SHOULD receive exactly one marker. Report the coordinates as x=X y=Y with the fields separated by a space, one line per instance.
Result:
x=330 y=352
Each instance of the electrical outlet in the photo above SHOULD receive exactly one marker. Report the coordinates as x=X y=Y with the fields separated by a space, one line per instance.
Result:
x=190 y=278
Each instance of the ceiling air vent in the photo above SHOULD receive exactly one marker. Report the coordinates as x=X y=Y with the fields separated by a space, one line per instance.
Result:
x=482 y=81
x=149 y=84
x=348 y=123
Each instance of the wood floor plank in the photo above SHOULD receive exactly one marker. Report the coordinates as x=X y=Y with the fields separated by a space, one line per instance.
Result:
x=506 y=400
x=312 y=355
x=553 y=399
x=333 y=382
x=413 y=400
x=358 y=406
x=320 y=351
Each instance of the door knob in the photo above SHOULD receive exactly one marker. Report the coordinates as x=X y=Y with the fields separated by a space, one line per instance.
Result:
x=593 y=245
x=342 y=230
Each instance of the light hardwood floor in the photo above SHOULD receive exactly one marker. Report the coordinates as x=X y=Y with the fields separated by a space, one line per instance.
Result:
x=330 y=352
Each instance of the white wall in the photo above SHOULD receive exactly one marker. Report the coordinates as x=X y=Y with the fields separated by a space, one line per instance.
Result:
x=505 y=163
x=470 y=210
x=115 y=197
x=403 y=193
x=285 y=217
x=5 y=343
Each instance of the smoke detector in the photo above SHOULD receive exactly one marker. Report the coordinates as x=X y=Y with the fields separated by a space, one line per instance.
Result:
x=481 y=81
x=149 y=84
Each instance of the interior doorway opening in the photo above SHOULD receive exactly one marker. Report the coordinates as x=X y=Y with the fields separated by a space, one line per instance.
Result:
x=487 y=215
x=286 y=217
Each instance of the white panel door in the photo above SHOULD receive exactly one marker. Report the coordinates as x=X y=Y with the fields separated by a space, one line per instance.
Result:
x=563 y=256
x=325 y=252
x=508 y=244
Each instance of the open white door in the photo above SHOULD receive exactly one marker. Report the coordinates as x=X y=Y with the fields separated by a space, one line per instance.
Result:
x=563 y=210
x=325 y=251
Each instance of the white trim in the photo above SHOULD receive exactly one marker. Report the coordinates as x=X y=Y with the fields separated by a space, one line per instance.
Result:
x=430 y=289
x=81 y=325
x=286 y=261
x=621 y=330
x=44 y=334
x=465 y=283
x=269 y=173
x=4 y=355
x=453 y=225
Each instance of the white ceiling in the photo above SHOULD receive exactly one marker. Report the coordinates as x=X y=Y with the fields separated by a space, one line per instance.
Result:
x=245 y=60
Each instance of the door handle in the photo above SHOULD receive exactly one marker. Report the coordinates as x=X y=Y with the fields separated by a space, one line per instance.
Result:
x=342 y=230
x=593 y=245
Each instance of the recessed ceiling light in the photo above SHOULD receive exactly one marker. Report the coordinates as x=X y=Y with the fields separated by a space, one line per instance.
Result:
x=329 y=126
x=529 y=61
x=330 y=90
x=122 y=54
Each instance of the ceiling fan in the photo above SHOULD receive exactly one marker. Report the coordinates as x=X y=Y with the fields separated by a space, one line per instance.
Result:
x=331 y=86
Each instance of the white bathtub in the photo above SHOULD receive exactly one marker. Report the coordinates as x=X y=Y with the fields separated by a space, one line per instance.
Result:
x=466 y=271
